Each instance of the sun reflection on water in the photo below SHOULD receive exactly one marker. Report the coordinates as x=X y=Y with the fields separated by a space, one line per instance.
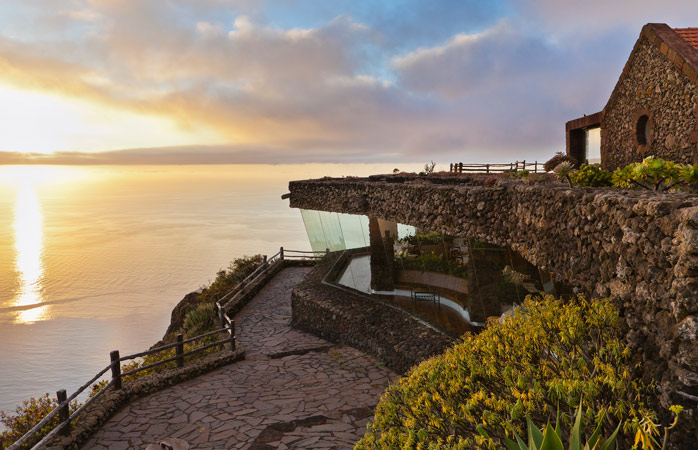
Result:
x=28 y=260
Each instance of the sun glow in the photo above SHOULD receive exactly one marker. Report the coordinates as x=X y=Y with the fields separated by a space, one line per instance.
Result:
x=29 y=246
x=40 y=122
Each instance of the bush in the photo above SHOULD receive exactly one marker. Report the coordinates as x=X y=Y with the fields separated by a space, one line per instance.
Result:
x=226 y=280
x=200 y=320
x=26 y=416
x=591 y=175
x=431 y=262
x=548 y=355
x=656 y=174
x=556 y=160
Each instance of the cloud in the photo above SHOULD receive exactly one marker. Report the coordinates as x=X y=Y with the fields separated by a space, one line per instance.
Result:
x=402 y=79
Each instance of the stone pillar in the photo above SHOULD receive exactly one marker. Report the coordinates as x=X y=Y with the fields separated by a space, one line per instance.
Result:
x=382 y=256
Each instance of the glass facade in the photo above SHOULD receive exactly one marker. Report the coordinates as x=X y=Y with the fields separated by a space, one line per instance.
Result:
x=335 y=231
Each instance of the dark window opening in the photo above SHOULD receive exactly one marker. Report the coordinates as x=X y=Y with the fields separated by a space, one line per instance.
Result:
x=642 y=130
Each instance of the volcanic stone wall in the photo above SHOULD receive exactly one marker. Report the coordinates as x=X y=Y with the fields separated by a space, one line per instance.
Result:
x=638 y=248
x=653 y=86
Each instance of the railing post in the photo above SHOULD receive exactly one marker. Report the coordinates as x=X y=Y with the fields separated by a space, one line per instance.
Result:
x=281 y=253
x=535 y=167
x=488 y=168
x=115 y=369
x=231 y=330
x=221 y=315
x=64 y=412
x=460 y=167
x=524 y=165
x=180 y=350
x=264 y=260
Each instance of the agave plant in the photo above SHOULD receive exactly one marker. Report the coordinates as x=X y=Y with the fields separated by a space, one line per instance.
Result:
x=549 y=438
x=564 y=170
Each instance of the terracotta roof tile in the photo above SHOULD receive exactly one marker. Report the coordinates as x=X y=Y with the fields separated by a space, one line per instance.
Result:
x=690 y=35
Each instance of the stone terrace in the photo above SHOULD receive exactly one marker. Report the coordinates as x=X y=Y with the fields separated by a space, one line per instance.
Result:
x=294 y=390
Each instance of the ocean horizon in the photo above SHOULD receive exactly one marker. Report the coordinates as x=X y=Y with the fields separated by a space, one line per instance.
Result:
x=94 y=258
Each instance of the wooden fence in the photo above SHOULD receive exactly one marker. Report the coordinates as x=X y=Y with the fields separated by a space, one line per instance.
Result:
x=227 y=327
x=533 y=167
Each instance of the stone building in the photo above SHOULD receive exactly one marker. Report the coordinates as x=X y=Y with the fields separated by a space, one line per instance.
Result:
x=653 y=109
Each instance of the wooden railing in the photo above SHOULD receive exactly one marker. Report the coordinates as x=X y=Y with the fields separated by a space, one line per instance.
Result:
x=267 y=265
x=63 y=408
x=227 y=326
x=496 y=168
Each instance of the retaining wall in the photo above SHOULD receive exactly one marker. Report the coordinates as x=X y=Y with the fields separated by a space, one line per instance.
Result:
x=638 y=248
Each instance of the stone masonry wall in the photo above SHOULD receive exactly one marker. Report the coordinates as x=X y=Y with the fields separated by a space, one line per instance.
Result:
x=651 y=84
x=388 y=333
x=638 y=248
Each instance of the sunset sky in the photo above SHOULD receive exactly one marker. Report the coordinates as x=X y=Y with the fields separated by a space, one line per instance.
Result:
x=140 y=81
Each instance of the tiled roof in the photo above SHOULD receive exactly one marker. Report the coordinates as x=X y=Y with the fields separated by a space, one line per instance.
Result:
x=690 y=35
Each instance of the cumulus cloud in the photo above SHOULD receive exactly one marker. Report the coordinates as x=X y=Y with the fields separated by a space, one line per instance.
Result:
x=462 y=79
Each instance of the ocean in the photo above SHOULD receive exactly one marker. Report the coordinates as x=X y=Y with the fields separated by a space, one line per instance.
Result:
x=94 y=258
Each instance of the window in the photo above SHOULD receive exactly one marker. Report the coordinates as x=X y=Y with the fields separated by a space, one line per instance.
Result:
x=643 y=130
x=593 y=146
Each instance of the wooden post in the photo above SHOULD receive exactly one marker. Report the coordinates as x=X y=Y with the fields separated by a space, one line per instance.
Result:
x=281 y=253
x=221 y=315
x=524 y=165
x=115 y=369
x=450 y=167
x=535 y=167
x=264 y=260
x=180 y=350
x=488 y=168
x=231 y=330
x=64 y=412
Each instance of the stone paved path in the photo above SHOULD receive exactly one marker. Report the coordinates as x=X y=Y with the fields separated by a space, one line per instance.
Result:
x=281 y=396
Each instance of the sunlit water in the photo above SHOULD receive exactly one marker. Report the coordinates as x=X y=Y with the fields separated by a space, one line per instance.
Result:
x=92 y=259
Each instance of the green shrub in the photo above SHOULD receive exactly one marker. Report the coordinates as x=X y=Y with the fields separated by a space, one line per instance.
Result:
x=431 y=262
x=656 y=174
x=542 y=359
x=226 y=280
x=591 y=175
x=26 y=416
x=522 y=174
x=555 y=161
x=200 y=320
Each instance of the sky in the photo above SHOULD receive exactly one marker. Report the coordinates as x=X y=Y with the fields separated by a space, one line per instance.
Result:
x=244 y=81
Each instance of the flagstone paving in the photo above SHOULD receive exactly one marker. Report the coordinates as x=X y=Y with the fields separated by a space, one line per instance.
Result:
x=293 y=390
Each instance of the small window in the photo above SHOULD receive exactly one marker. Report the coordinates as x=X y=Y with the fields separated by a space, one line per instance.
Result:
x=642 y=130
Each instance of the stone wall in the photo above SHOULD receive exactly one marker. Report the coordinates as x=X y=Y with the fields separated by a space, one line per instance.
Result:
x=651 y=85
x=639 y=248
x=391 y=335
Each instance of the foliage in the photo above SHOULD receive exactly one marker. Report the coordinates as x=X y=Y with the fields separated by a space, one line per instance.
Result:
x=26 y=416
x=555 y=161
x=591 y=175
x=522 y=174
x=656 y=174
x=429 y=238
x=648 y=430
x=226 y=280
x=429 y=168
x=431 y=262
x=549 y=438
x=544 y=358
x=200 y=320
x=563 y=171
